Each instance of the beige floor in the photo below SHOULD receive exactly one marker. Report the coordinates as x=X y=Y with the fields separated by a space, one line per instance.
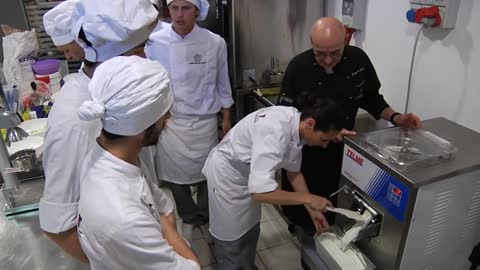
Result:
x=276 y=248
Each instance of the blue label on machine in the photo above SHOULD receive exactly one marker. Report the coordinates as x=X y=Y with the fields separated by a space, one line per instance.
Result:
x=376 y=182
x=390 y=193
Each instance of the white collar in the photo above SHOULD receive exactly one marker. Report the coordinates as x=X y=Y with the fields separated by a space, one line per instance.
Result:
x=114 y=163
x=296 y=130
x=175 y=36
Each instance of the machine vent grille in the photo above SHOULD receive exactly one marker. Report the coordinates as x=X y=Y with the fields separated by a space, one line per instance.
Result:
x=473 y=214
x=461 y=263
x=439 y=217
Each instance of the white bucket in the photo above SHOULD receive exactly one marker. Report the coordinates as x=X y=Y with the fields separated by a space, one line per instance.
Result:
x=53 y=80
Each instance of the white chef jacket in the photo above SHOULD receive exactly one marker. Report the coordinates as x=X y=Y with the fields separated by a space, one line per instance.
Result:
x=119 y=226
x=67 y=141
x=245 y=162
x=198 y=69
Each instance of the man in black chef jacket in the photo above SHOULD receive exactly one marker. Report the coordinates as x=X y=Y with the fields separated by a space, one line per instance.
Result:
x=345 y=74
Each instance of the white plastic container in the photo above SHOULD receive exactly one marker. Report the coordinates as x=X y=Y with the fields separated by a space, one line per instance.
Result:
x=53 y=80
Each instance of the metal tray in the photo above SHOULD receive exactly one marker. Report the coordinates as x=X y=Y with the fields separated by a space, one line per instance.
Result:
x=333 y=263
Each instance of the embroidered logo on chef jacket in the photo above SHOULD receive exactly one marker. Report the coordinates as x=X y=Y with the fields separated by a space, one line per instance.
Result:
x=358 y=85
x=258 y=116
x=357 y=71
x=197 y=59
x=146 y=199
x=360 y=90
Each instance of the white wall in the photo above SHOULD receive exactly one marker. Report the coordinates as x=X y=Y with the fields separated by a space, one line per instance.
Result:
x=446 y=80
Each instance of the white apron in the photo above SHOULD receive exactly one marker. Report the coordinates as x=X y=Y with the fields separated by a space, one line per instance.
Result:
x=244 y=162
x=183 y=147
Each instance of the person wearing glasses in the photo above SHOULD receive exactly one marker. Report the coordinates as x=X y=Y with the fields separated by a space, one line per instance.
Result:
x=344 y=73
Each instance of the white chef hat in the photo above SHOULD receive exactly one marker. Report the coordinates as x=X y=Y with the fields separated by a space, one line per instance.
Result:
x=113 y=27
x=129 y=94
x=202 y=5
x=58 y=23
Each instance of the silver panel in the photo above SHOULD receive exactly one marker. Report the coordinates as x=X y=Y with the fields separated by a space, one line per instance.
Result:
x=438 y=223
x=473 y=214
x=278 y=28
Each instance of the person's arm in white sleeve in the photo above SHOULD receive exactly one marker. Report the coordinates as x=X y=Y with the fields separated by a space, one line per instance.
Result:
x=297 y=180
x=165 y=204
x=163 y=201
x=223 y=87
x=59 y=204
x=140 y=245
x=268 y=149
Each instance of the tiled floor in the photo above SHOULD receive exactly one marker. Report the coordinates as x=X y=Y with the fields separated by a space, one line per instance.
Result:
x=276 y=248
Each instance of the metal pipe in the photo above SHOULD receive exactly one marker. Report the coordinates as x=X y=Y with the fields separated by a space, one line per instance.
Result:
x=259 y=96
x=411 y=69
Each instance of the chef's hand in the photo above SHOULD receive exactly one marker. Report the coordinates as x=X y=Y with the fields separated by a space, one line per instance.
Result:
x=407 y=120
x=318 y=219
x=318 y=203
x=344 y=132
x=226 y=126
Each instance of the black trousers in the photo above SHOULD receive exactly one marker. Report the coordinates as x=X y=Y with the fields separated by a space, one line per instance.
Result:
x=238 y=254
x=189 y=211
x=321 y=169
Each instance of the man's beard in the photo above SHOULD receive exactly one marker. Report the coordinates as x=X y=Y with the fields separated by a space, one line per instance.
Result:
x=151 y=136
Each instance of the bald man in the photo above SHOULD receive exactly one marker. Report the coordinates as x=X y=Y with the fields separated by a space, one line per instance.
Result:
x=345 y=74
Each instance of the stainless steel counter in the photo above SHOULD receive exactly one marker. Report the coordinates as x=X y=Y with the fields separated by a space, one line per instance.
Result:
x=24 y=246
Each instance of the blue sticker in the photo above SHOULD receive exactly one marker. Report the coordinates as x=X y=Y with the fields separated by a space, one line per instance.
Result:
x=390 y=193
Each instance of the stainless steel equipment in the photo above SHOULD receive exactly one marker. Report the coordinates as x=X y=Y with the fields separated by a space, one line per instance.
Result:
x=262 y=30
x=18 y=199
x=262 y=38
x=8 y=120
x=274 y=74
x=23 y=245
x=24 y=160
x=15 y=134
x=425 y=196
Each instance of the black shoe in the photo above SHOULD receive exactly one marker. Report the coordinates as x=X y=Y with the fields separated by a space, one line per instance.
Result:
x=292 y=228
x=304 y=265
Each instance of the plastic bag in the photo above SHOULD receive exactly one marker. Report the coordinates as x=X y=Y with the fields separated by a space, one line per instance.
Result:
x=19 y=51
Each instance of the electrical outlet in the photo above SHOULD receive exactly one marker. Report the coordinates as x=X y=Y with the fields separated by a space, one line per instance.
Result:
x=249 y=73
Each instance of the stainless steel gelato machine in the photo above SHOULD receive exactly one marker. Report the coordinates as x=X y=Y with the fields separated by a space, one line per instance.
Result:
x=421 y=191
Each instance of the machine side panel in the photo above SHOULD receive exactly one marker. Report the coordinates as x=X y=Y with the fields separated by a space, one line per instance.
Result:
x=445 y=224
